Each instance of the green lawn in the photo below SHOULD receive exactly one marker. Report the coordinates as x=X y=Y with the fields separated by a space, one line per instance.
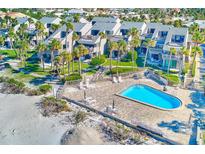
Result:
x=121 y=70
x=20 y=76
x=114 y=63
x=204 y=137
x=10 y=53
x=83 y=66
x=172 y=78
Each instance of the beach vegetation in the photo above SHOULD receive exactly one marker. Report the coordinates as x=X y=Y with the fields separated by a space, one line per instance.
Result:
x=51 y=105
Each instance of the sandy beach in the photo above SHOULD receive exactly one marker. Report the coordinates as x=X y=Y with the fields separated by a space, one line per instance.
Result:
x=22 y=122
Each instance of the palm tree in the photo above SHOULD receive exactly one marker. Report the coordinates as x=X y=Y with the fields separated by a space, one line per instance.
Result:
x=69 y=27
x=80 y=51
x=122 y=47
x=30 y=21
x=40 y=30
x=41 y=47
x=171 y=52
x=195 y=51
x=197 y=38
x=22 y=29
x=24 y=46
x=148 y=43
x=102 y=36
x=113 y=46
x=54 y=27
x=76 y=17
x=135 y=42
x=194 y=28
x=68 y=60
x=75 y=37
x=11 y=35
x=54 y=45
x=57 y=61
x=63 y=60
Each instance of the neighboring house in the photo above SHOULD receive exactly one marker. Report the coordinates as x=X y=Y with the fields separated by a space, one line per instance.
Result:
x=126 y=26
x=82 y=28
x=166 y=37
x=81 y=20
x=76 y=11
x=201 y=24
x=93 y=44
x=48 y=21
x=150 y=30
x=105 y=20
x=107 y=28
x=176 y=38
x=60 y=34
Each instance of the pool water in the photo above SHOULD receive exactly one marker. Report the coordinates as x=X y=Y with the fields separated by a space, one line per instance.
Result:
x=152 y=97
x=203 y=49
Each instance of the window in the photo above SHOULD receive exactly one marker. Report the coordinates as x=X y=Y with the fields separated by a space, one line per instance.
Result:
x=173 y=63
x=63 y=34
x=94 y=32
x=48 y=25
x=178 y=38
x=124 y=31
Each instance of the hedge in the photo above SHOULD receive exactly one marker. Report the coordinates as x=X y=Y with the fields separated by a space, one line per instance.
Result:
x=45 y=88
x=72 y=77
x=97 y=60
x=121 y=70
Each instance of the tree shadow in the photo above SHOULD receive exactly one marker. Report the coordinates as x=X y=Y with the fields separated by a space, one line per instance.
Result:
x=198 y=101
x=174 y=125
x=42 y=80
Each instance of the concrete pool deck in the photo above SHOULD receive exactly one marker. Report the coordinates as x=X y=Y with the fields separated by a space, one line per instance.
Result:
x=104 y=93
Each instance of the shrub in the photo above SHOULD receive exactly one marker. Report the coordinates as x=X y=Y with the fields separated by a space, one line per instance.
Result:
x=128 y=57
x=45 y=88
x=12 y=86
x=72 y=77
x=33 y=92
x=80 y=116
x=52 y=105
x=97 y=60
x=121 y=70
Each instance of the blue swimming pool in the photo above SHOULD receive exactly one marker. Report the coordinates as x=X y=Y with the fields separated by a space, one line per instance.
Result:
x=152 y=97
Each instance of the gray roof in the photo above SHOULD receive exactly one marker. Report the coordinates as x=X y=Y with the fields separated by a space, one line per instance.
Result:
x=78 y=26
x=201 y=23
x=45 y=20
x=89 y=39
x=176 y=31
x=129 y=25
x=22 y=20
x=103 y=26
x=105 y=19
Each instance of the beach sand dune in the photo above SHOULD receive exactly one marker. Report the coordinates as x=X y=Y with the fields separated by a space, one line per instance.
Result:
x=86 y=136
x=22 y=123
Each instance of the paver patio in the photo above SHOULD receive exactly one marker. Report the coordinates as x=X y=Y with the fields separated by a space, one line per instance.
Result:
x=104 y=93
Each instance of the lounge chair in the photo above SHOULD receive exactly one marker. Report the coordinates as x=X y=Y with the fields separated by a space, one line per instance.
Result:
x=114 y=80
x=119 y=79
x=81 y=87
x=87 y=84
